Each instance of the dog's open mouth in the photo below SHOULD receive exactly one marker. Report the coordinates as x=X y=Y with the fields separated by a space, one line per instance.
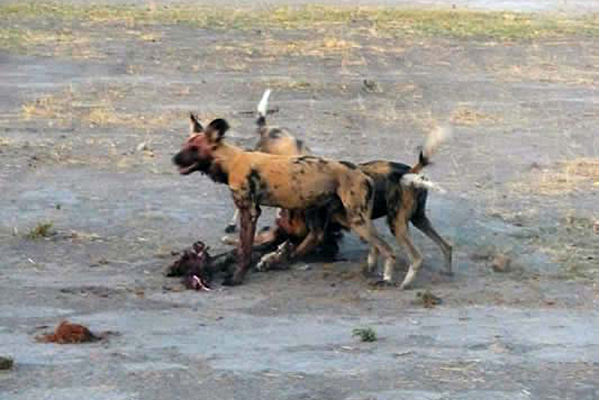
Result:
x=189 y=169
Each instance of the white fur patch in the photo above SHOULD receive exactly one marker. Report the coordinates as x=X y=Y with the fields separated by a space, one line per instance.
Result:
x=419 y=181
x=263 y=105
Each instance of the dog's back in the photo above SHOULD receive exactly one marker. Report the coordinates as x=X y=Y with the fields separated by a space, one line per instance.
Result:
x=274 y=140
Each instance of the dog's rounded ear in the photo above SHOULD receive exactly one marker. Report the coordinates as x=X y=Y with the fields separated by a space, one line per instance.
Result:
x=216 y=130
x=194 y=124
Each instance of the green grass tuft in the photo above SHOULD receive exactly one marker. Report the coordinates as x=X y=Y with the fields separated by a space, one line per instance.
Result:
x=41 y=230
x=365 y=334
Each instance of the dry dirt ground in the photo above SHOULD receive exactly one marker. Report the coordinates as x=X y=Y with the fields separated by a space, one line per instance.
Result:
x=94 y=103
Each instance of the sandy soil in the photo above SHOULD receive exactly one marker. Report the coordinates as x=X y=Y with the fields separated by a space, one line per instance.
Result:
x=92 y=112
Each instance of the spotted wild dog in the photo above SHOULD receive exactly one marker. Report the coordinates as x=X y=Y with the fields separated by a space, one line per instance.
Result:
x=400 y=195
x=294 y=183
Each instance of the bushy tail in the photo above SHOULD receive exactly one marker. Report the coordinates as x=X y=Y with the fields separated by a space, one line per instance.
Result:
x=413 y=179
x=418 y=181
x=433 y=140
x=263 y=108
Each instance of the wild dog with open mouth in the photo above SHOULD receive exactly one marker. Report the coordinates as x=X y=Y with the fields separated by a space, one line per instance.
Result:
x=273 y=140
x=293 y=183
x=400 y=195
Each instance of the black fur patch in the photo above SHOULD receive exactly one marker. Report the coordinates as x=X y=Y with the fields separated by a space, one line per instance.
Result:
x=348 y=164
x=275 y=133
x=188 y=158
x=217 y=174
x=257 y=187
x=394 y=203
x=305 y=159
x=218 y=126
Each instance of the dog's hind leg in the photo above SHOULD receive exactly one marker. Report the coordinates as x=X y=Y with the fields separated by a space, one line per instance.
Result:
x=424 y=225
x=402 y=235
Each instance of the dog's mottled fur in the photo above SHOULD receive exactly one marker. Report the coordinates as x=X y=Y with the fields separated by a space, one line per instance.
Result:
x=400 y=195
x=272 y=140
x=305 y=183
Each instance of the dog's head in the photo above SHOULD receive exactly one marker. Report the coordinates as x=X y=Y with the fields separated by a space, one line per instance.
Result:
x=197 y=153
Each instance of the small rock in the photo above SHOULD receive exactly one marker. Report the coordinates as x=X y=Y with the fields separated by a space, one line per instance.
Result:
x=501 y=263
x=6 y=363
x=428 y=299
x=371 y=86
x=534 y=165
x=143 y=146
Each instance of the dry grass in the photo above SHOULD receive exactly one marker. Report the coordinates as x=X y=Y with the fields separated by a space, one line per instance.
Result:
x=315 y=48
x=581 y=174
x=95 y=109
x=549 y=72
x=57 y=43
x=396 y=21
x=471 y=117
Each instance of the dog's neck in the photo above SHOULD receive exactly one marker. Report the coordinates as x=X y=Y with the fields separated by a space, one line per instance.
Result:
x=224 y=156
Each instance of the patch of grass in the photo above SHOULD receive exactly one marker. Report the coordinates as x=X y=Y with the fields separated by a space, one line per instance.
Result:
x=429 y=23
x=60 y=43
x=549 y=72
x=580 y=174
x=94 y=107
x=470 y=117
x=365 y=334
x=6 y=363
x=41 y=230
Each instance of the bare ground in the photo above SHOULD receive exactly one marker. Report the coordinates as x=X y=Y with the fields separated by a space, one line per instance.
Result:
x=92 y=111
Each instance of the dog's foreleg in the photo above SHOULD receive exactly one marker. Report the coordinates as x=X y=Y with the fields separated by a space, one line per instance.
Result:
x=281 y=254
x=367 y=232
x=249 y=215
x=308 y=244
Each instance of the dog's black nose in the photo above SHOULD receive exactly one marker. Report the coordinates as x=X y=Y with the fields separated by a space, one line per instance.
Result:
x=177 y=159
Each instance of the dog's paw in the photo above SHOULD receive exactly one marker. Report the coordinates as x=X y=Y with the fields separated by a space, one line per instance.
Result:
x=266 y=262
x=230 y=240
x=366 y=270
x=231 y=228
x=382 y=284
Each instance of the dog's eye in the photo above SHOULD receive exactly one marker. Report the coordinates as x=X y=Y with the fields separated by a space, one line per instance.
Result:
x=194 y=148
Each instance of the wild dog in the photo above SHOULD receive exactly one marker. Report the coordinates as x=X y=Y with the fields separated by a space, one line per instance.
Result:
x=272 y=140
x=294 y=183
x=400 y=195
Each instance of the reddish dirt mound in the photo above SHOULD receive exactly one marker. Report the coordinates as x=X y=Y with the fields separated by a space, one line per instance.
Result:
x=67 y=332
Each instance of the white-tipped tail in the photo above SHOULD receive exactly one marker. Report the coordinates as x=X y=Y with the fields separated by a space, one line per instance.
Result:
x=419 y=181
x=434 y=139
x=263 y=105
